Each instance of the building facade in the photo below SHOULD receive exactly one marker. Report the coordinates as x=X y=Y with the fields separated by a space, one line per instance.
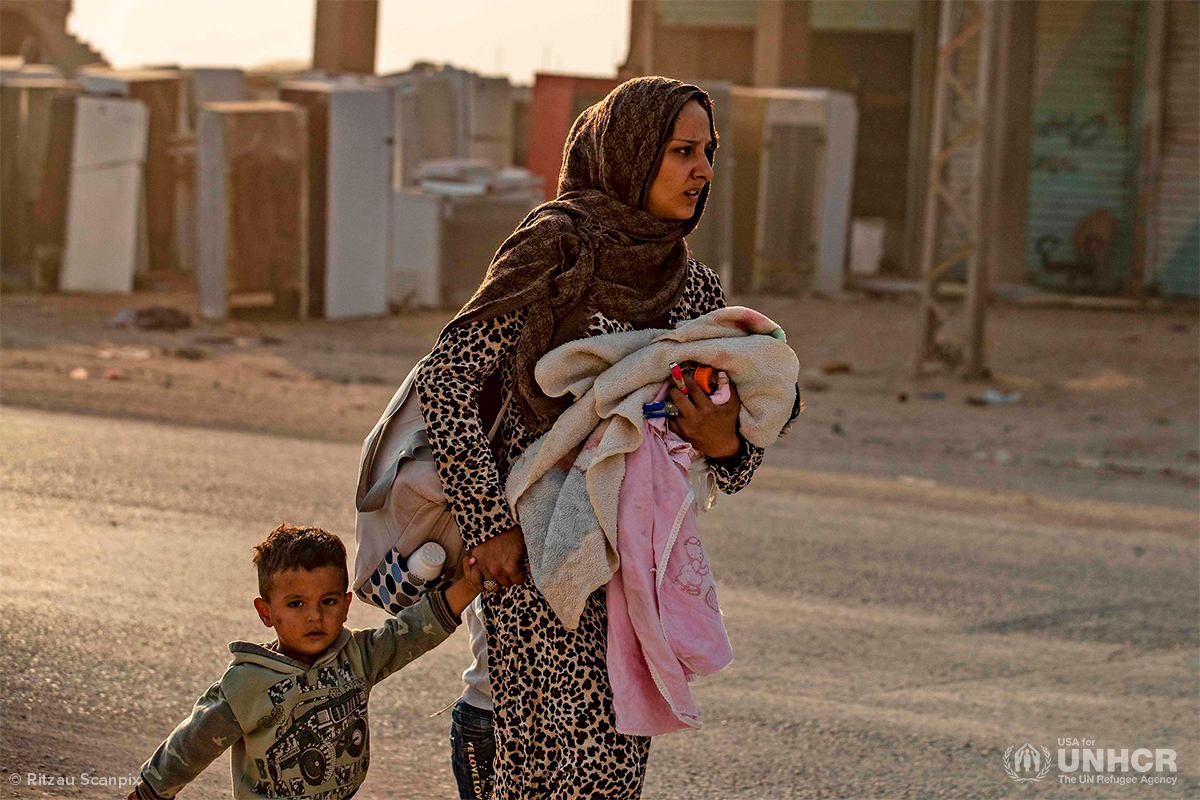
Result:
x=1101 y=186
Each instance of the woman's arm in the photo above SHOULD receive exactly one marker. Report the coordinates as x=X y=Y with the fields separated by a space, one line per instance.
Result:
x=448 y=386
x=704 y=294
x=735 y=472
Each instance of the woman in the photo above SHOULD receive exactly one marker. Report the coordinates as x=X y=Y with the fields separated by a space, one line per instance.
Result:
x=607 y=255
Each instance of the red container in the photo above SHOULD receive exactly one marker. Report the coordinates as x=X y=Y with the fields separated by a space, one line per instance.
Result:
x=557 y=101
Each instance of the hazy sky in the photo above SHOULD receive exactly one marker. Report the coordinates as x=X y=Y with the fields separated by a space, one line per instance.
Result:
x=516 y=37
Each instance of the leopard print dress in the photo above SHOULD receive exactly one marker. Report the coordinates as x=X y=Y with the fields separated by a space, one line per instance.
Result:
x=554 y=725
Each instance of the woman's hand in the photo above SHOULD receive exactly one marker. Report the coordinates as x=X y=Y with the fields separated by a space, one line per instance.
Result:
x=499 y=559
x=709 y=428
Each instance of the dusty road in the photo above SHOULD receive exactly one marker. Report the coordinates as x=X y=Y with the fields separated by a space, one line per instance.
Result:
x=1107 y=409
x=893 y=637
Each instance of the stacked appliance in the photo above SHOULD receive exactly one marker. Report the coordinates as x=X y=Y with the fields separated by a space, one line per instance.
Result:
x=200 y=85
x=104 y=188
x=446 y=230
x=794 y=150
x=159 y=91
x=349 y=195
x=26 y=111
x=252 y=190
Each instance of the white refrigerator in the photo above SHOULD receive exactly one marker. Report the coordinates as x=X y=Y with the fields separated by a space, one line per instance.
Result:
x=350 y=196
x=104 y=194
x=795 y=167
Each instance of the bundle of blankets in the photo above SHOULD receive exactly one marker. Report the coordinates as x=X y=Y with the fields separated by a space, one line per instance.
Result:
x=605 y=498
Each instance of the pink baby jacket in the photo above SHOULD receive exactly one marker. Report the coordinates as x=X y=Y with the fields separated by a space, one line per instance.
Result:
x=664 y=624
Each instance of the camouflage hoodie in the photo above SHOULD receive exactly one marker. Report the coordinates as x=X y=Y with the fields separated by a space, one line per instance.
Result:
x=297 y=731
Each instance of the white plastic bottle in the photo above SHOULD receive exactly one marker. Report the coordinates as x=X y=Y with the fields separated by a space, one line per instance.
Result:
x=427 y=561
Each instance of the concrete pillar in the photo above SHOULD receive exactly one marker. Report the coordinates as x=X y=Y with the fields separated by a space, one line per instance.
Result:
x=781 y=43
x=643 y=16
x=1150 y=148
x=924 y=67
x=1012 y=115
x=344 y=37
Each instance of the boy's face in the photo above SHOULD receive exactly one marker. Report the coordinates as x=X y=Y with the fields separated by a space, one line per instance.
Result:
x=307 y=609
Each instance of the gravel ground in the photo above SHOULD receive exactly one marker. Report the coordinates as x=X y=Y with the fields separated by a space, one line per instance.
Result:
x=1107 y=402
x=912 y=583
x=891 y=640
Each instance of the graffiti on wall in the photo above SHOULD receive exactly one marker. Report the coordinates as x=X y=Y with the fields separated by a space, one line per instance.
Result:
x=1080 y=132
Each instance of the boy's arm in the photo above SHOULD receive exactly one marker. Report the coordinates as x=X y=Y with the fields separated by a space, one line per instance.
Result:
x=193 y=745
x=420 y=627
x=465 y=588
x=406 y=636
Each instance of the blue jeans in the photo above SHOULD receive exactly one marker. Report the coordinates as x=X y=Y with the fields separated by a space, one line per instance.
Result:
x=473 y=748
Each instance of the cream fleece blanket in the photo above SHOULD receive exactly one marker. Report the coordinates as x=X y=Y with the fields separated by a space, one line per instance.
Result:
x=564 y=488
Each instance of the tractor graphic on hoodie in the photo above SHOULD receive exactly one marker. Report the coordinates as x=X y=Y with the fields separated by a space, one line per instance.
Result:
x=316 y=740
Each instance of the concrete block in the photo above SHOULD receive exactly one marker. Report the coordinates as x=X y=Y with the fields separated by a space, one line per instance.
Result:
x=252 y=209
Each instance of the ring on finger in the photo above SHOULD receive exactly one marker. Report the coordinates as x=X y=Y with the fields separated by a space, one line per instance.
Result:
x=491 y=586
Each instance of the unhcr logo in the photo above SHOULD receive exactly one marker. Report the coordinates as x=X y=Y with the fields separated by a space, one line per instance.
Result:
x=1027 y=764
x=1100 y=766
x=1080 y=762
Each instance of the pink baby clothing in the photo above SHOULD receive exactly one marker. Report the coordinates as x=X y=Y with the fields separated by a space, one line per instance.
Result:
x=664 y=624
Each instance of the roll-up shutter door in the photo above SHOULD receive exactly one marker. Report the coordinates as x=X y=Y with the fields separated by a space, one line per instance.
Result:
x=1176 y=269
x=1082 y=155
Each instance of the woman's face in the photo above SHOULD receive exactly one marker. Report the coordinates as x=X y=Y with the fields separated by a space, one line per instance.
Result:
x=685 y=169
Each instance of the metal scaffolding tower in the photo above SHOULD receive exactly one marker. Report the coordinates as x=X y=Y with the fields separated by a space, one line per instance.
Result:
x=959 y=199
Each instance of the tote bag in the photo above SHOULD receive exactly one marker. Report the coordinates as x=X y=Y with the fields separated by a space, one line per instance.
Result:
x=399 y=499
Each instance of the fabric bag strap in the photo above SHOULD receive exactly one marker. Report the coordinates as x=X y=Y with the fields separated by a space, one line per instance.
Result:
x=374 y=438
x=495 y=430
x=372 y=498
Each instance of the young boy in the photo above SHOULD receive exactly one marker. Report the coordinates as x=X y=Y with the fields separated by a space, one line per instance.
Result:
x=295 y=710
x=472 y=740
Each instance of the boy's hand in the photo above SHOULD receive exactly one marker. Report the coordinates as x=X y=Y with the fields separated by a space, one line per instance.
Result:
x=472 y=574
x=142 y=791
x=465 y=588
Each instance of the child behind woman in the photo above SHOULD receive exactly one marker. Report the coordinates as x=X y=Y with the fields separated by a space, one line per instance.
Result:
x=295 y=710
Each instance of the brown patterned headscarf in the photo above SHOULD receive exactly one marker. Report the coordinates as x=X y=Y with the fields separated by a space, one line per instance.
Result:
x=593 y=246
